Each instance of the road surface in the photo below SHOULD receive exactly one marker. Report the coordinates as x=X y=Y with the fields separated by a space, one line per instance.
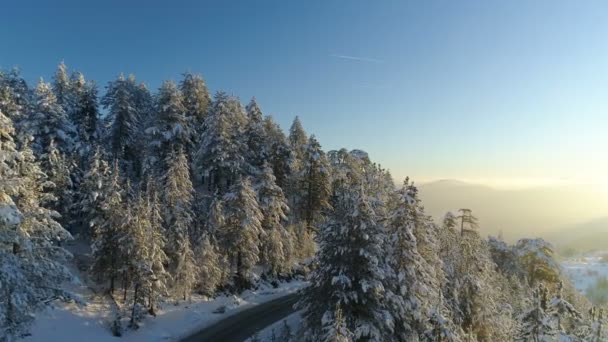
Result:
x=240 y=326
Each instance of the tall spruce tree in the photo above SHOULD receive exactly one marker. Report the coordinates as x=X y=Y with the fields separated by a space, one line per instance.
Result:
x=31 y=262
x=349 y=280
x=170 y=131
x=314 y=186
x=177 y=208
x=241 y=230
x=276 y=240
x=196 y=102
x=220 y=158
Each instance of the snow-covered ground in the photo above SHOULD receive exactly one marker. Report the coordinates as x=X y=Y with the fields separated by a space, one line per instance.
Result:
x=585 y=271
x=90 y=323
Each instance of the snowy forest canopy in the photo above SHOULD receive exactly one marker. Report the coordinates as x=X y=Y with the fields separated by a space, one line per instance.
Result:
x=178 y=192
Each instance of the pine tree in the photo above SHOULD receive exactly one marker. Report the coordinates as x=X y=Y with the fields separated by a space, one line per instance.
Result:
x=220 y=158
x=15 y=95
x=107 y=230
x=256 y=139
x=30 y=259
x=407 y=288
x=170 y=131
x=208 y=261
x=350 y=275
x=241 y=229
x=123 y=117
x=536 y=323
x=298 y=138
x=276 y=240
x=157 y=259
x=177 y=204
x=48 y=123
x=561 y=310
x=91 y=192
x=186 y=270
x=62 y=87
x=86 y=116
x=314 y=183
x=280 y=155
x=196 y=102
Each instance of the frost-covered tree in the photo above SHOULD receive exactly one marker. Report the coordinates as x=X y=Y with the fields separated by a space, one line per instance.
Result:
x=85 y=116
x=561 y=310
x=48 y=122
x=350 y=276
x=241 y=230
x=536 y=322
x=298 y=138
x=314 y=186
x=15 y=95
x=430 y=271
x=60 y=170
x=107 y=230
x=208 y=262
x=170 y=131
x=123 y=119
x=406 y=264
x=186 y=270
x=91 y=192
x=62 y=87
x=276 y=239
x=158 y=283
x=280 y=154
x=220 y=158
x=196 y=102
x=256 y=139
x=30 y=259
x=536 y=256
x=177 y=206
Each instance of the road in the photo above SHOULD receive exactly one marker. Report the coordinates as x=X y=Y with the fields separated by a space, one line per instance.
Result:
x=240 y=326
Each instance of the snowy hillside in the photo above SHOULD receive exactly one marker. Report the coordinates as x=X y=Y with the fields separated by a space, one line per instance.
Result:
x=585 y=271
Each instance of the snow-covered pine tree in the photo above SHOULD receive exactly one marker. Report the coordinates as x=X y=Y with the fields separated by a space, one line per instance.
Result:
x=62 y=87
x=220 y=157
x=156 y=257
x=241 y=230
x=170 y=131
x=351 y=274
x=60 y=171
x=256 y=139
x=177 y=209
x=276 y=240
x=536 y=323
x=208 y=262
x=186 y=270
x=107 y=230
x=280 y=154
x=90 y=193
x=298 y=138
x=15 y=95
x=314 y=186
x=85 y=116
x=30 y=259
x=48 y=122
x=196 y=102
x=561 y=310
x=123 y=119
x=407 y=289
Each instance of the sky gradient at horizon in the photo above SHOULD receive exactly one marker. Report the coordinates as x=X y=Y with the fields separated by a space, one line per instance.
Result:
x=493 y=91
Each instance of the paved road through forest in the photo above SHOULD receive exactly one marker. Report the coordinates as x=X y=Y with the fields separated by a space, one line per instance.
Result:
x=240 y=326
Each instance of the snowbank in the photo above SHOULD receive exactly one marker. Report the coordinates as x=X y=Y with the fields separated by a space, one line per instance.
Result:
x=69 y=322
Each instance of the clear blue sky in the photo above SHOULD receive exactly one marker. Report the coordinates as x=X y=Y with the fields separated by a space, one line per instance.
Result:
x=479 y=90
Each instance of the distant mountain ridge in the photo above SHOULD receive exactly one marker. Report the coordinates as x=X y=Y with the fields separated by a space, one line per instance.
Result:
x=533 y=211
